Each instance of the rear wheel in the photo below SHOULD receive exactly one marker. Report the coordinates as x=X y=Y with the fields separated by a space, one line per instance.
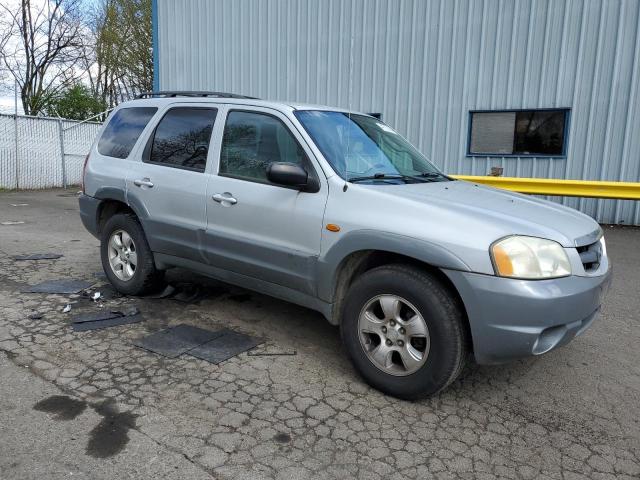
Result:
x=404 y=331
x=126 y=257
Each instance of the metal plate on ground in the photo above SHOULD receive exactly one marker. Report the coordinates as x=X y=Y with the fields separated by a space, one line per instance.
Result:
x=177 y=340
x=61 y=286
x=112 y=322
x=38 y=256
x=224 y=347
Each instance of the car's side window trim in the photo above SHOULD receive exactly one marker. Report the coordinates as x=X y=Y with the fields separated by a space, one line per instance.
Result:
x=307 y=163
x=146 y=153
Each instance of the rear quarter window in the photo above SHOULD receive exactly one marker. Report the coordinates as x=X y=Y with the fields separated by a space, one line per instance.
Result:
x=123 y=130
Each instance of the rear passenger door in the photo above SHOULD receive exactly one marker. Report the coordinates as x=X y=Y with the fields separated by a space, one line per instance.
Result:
x=256 y=228
x=170 y=182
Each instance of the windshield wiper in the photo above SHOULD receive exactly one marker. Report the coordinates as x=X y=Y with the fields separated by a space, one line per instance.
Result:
x=381 y=176
x=431 y=175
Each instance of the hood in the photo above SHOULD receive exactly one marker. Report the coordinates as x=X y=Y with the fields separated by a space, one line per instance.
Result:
x=500 y=211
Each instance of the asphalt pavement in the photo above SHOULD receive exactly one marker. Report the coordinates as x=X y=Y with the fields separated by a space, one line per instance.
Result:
x=93 y=405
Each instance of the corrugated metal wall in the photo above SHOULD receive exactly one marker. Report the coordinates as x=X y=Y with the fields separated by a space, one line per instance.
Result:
x=424 y=64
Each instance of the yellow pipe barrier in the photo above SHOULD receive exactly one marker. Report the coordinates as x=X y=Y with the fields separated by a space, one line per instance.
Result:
x=565 y=188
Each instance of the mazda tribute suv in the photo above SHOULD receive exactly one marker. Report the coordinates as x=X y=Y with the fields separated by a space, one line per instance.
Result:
x=335 y=211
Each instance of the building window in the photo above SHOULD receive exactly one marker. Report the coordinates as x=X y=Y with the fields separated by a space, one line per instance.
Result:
x=540 y=133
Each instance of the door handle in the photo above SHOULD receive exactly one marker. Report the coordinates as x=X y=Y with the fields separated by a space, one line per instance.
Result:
x=224 y=198
x=145 y=182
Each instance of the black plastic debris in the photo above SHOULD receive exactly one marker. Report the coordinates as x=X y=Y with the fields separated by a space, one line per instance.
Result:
x=188 y=294
x=177 y=340
x=38 y=256
x=61 y=286
x=95 y=316
x=167 y=292
x=111 y=322
x=181 y=292
x=240 y=297
x=104 y=293
x=105 y=319
x=224 y=347
x=35 y=316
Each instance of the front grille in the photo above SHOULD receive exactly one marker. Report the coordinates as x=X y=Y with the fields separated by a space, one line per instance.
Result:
x=590 y=256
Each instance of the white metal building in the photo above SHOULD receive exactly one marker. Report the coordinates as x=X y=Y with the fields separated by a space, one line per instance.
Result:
x=542 y=88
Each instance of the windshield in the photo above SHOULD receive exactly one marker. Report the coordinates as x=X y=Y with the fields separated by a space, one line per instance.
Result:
x=360 y=147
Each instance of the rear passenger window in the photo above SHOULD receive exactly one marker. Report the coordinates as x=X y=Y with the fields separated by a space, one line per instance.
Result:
x=182 y=137
x=123 y=130
x=252 y=141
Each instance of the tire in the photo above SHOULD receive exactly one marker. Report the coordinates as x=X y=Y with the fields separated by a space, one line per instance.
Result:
x=142 y=279
x=443 y=345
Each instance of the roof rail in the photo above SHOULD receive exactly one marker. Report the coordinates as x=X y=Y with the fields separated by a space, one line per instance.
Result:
x=179 y=93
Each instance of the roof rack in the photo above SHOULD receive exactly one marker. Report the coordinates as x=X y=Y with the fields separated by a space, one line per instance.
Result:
x=179 y=93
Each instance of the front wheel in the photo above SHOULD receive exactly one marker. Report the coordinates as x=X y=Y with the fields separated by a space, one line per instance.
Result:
x=404 y=331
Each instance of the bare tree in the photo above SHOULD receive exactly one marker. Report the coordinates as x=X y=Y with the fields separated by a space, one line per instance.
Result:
x=119 y=55
x=40 y=45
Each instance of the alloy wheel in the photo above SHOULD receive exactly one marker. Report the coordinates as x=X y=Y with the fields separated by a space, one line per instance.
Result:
x=394 y=335
x=123 y=257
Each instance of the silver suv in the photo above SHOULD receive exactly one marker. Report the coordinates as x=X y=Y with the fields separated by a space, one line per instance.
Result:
x=335 y=211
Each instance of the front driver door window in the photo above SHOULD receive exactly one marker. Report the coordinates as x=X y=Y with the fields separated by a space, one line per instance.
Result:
x=252 y=141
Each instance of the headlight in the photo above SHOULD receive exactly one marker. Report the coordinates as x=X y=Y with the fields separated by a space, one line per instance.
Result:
x=529 y=257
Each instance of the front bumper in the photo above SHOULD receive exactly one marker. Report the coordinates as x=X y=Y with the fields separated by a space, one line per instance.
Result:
x=512 y=318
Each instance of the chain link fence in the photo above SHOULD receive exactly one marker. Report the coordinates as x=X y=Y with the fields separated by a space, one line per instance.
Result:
x=37 y=152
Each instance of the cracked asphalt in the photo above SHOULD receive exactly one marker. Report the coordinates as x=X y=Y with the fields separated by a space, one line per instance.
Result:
x=122 y=412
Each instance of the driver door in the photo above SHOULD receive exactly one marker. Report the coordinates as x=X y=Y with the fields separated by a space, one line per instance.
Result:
x=254 y=227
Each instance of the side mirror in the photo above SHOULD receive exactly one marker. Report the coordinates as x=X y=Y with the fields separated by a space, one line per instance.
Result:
x=290 y=175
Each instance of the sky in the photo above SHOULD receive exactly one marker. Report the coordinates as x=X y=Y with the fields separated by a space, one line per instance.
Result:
x=6 y=104
x=6 y=99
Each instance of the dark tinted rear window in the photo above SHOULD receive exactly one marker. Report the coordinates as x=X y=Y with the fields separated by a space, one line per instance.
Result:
x=123 y=131
x=182 y=138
